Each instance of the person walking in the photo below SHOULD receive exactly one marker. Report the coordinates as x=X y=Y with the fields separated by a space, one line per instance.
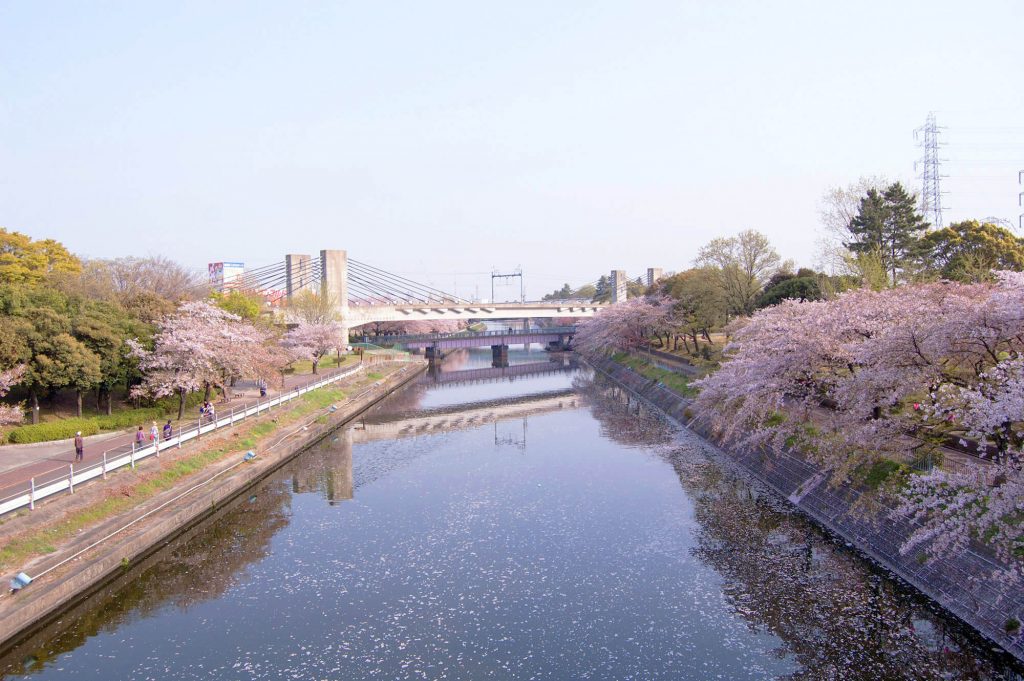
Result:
x=79 y=446
x=154 y=434
x=140 y=437
x=168 y=430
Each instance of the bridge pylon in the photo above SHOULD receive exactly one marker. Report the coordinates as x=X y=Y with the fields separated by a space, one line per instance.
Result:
x=334 y=284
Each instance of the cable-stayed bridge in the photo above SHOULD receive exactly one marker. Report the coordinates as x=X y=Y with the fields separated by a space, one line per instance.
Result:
x=364 y=294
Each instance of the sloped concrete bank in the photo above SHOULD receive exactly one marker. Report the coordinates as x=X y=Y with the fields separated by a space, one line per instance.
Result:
x=960 y=584
x=24 y=613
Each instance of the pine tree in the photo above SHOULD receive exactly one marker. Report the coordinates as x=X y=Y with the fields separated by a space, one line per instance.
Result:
x=887 y=224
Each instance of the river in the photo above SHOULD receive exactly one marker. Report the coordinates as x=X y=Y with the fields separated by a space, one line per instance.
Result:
x=487 y=526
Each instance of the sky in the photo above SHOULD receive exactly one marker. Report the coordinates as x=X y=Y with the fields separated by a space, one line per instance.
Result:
x=444 y=140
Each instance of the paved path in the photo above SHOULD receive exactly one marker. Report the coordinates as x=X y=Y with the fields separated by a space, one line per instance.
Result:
x=43 y=460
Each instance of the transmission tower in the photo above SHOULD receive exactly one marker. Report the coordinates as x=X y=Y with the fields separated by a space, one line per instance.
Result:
x=927 y=137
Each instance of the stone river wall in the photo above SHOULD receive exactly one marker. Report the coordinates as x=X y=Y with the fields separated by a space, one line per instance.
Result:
x=961 y=584
x=23 y=613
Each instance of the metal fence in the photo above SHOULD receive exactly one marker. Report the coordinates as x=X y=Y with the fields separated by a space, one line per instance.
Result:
x=65 y=478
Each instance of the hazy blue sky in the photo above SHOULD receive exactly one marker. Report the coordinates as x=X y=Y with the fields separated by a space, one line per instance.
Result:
x=440 y=139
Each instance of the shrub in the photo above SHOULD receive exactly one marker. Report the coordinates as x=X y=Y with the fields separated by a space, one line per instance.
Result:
x=132 y=417
x=53 y=430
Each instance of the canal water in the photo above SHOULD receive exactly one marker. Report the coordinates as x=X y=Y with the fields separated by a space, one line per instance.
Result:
x=528 y=522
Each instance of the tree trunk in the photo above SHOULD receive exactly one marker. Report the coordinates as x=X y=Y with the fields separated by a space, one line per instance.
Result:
x=99 y=398
x=316 y=363
x=206 y=395
x=110 y=402
x=707 y=336
x=78 y=403
x=35 y=408
x=696 y=345
x=181 y=403
x=686 y=345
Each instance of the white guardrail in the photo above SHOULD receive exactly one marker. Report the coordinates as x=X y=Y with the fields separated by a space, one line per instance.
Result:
x=65 y=479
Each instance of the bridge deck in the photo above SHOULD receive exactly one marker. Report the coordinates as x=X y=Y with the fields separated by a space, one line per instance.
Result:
x=513 y=337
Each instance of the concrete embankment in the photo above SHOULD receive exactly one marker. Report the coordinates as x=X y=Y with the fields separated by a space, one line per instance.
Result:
x=962 y=584
x=167 y=515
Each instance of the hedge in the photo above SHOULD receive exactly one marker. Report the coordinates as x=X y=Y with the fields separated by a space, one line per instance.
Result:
x=66 y=428
x=52 y=430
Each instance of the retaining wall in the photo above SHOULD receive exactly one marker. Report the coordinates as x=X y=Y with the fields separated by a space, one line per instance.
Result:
x=961 y=583
x=43 y=600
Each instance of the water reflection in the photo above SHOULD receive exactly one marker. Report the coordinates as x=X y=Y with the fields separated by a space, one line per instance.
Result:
x=327 y=470
x=838 y=617
x=199 y=566
x=513 y=534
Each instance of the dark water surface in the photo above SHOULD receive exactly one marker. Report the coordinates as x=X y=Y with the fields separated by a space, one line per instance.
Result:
x=530 y=528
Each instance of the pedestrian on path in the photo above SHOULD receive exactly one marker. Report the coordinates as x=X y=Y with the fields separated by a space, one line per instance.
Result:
x=168 y=430
x=79 y=446
x=140 y=437
x=153 y=433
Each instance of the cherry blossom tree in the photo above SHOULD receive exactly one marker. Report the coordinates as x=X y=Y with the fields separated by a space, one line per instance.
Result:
x=313 y=341
x=891 y=375
x=9 y=378
x=624 y=326
x=198 y=347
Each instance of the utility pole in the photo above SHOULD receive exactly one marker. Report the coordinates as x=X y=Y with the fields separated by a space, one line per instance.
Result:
x=518 y=272
x=927 y=137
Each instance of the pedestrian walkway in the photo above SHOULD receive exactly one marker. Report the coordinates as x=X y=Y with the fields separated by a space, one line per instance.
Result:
x=21 y=463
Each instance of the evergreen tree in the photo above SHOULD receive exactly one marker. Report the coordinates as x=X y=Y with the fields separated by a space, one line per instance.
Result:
x=887 y=223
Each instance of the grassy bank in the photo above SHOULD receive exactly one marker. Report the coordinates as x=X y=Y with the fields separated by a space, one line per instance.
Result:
x=673 y=381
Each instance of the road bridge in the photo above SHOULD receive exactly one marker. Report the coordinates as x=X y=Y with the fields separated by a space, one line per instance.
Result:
x=363 y=294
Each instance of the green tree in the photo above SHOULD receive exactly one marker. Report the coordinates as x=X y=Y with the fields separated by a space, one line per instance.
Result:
x=635 y=288
x=559 y=294
x=804 y=285
x=40 y=320
x=742 y=264
x=245 y=305
x=699 y=306
x=104 y=328
x=888 y=224
x=603 y=290
x=970 y=250
x=24 y=261
x=585 y=292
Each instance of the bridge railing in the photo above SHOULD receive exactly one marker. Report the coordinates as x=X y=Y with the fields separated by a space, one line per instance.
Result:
x=547 y=330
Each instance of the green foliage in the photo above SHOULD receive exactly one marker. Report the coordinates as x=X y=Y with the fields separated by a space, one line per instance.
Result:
x=795 y=287
x=742 y=264
x=675 y=382
x=888 y=224
x=245 y=305
x=879 y=472
x=131 y=417
x=52 y=430
x=968 y=251
x=24 y=261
